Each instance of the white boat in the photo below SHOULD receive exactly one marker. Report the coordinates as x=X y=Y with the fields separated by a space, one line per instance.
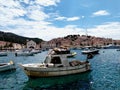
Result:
x=3 y=53
x=111 y=46
x=90 y=51
x=7 y=66
x=62 y=51
x=35 y=51
x=23 y=53
x=55 y=65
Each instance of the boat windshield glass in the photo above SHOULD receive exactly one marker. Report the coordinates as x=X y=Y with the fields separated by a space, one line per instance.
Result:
x=56 y=60
x=46 y=60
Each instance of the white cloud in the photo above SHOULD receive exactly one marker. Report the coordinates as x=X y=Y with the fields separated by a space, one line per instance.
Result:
x=101 y=13
x=59 y=18
x=9 y=3
x=47 y=2
x=10 y=13
x=46 y=32
x=73 y=19
x=108 y=30
x=25 y=1
x=10 y=9
x=38 y=15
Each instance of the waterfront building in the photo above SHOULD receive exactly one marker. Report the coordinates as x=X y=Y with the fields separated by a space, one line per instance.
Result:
x=31 y=44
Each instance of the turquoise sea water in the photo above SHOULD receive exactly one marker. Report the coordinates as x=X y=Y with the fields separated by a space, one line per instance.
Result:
x=105 y=74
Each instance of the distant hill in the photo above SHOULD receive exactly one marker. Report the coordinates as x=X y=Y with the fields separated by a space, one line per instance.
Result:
x=11 y=37
x=83 y=40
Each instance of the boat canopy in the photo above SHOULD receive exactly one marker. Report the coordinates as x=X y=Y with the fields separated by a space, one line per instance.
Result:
x=57 y=60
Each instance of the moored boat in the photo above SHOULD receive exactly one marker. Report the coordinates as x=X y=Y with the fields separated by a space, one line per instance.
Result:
x=3 y=53
x=55 y=65
x=35 y=51
x=111 y=46
x=7 y=66
x=23 y=53
x=62 y=51
x=90 y=51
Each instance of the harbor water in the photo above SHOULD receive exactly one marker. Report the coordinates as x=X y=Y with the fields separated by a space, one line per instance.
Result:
x=104 y=74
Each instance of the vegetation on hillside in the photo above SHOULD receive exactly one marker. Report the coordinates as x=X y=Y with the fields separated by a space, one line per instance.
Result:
x=10 y=37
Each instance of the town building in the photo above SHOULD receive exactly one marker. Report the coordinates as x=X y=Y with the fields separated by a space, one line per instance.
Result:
x=31 y=44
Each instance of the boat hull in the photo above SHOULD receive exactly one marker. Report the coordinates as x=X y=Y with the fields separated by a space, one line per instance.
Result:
x=72 y=54
x=6 y=67
x=90 y=52
x=24 y=54
x=3 y=53
x=50 y=72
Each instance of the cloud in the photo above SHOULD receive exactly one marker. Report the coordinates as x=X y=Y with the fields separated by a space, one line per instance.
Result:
x=14 y=11
x=59 y=18
x=46 y=32
x=73 y=19
x=101 y=13
x=107 y=30
x=47 y=2
x=37 y=15
x=9 y=3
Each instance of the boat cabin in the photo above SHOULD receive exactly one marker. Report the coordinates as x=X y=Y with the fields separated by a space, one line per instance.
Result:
x=57 y=60
x=62 y=51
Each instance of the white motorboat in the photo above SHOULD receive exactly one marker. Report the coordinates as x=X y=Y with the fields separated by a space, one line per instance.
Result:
x=55 y=65
x=7 y=66
x=90 y=51
x=23 y=53
x=3 y=53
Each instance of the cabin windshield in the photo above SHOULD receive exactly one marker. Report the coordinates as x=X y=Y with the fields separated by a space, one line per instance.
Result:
x=63 y=52
x=56 y=60
x=46 y=59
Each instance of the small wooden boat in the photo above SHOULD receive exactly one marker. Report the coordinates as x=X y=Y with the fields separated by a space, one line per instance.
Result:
x=55 y=65
x=7 y=66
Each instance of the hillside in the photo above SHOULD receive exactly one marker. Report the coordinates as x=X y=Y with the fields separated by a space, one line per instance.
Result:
x=83 y=40
x=10 y=37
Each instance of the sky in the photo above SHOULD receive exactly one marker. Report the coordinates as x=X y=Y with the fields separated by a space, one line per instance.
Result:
x=48 y=19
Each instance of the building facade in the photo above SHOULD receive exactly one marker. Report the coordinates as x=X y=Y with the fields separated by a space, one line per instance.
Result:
x=31 y=44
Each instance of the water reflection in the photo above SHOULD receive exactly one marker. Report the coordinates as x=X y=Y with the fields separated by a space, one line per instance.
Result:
x=69 y=82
